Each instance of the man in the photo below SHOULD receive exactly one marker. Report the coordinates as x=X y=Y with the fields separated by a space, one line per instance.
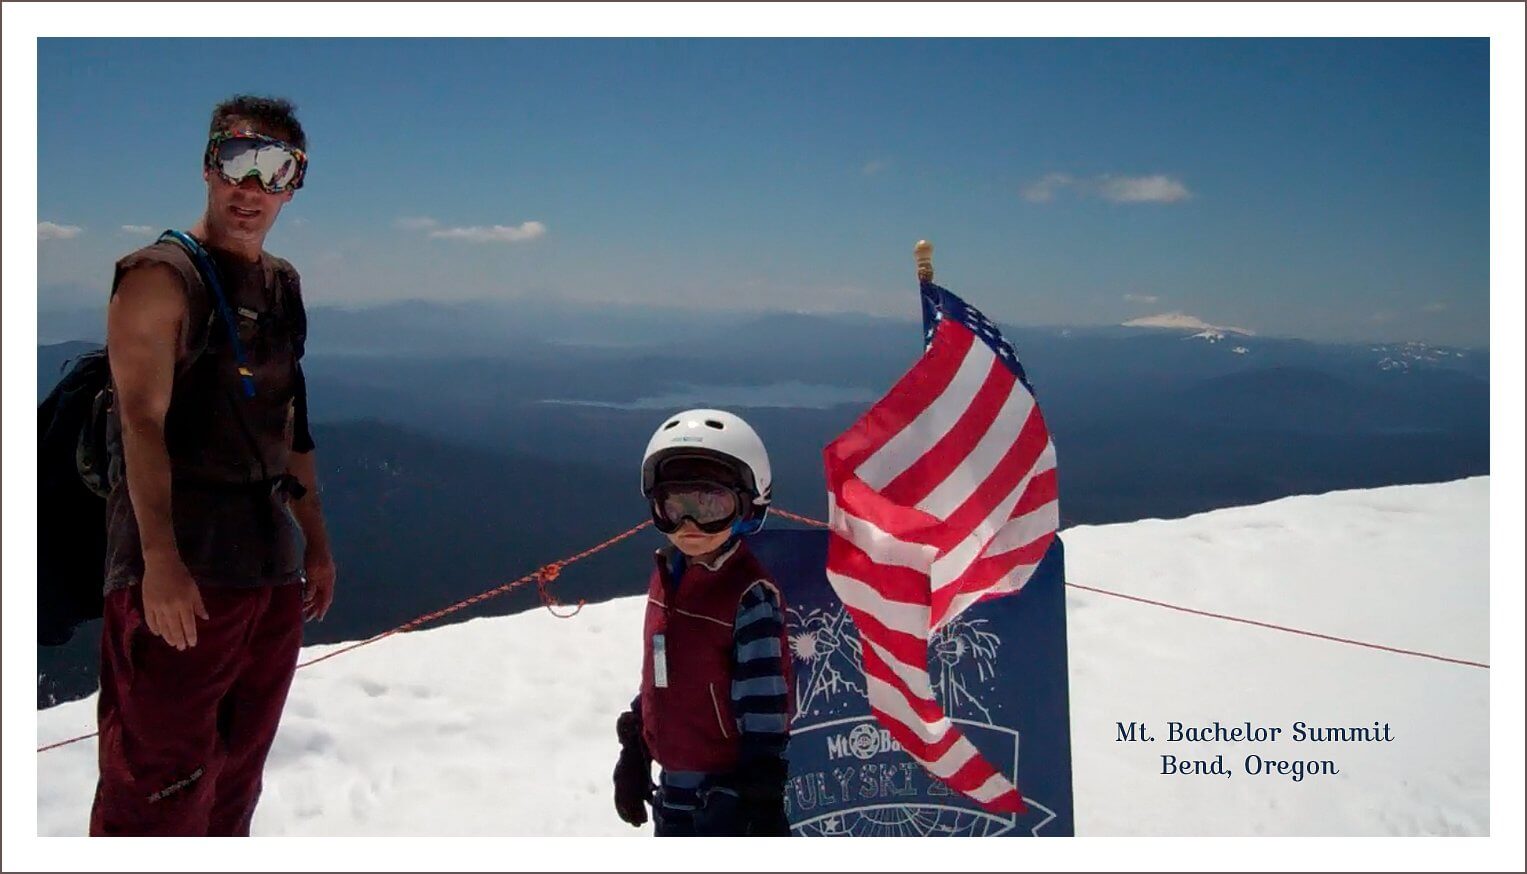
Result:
x=216 y=546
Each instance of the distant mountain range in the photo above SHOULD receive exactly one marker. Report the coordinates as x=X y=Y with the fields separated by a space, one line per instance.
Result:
x=449 y=467
x=418 y=523
x=419 y=328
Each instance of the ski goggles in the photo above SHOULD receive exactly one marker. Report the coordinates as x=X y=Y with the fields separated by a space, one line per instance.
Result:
x=712 y=507
x=278 y=166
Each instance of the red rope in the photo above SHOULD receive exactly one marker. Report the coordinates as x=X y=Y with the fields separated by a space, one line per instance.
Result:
x=543 y=576
x=543 y=579
x=546 y=574
x=1299 y=631
x=795 y=518
x=64 y=743
x=1425 y=655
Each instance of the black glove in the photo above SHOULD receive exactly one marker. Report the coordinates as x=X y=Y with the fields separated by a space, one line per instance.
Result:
x=761 y=792
x=633 y=772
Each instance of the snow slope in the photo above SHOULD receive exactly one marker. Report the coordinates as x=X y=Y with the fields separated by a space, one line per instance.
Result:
x=504 y=726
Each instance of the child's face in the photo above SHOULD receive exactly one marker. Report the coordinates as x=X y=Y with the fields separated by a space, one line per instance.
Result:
x=694 y=543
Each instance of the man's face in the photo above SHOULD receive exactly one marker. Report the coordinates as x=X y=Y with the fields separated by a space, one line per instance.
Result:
x=242 y=212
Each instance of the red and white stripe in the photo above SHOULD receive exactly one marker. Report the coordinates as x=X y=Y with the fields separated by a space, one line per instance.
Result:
x=942 y=494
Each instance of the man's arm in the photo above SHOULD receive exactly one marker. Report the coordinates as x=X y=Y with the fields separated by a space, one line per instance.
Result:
x=318 y=560
x=144 y=325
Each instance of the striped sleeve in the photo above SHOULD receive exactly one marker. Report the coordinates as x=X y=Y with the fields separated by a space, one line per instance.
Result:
x=758 y=678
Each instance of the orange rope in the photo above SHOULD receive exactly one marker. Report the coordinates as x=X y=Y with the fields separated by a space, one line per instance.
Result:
x=547 y=573
x=64 y=743
x=543 y=579
x=543 y=576
x=795 y=518
x=1299 y=631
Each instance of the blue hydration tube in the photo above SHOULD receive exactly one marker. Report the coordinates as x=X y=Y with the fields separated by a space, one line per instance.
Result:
x=209 y=274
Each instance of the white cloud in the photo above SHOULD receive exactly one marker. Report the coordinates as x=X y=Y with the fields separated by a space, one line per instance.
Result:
x=138 y=229
x=878 y=165
x=53 y=231
x=1141 y=189
x=497 y=234
x=1044 y=190
x=1142 y=298
x=416 y=223
x=1434 y=307
x=1117 y=189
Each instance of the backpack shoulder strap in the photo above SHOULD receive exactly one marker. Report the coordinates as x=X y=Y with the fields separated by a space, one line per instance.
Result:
x=203 y=314
x=208 y=271
x=289 y=282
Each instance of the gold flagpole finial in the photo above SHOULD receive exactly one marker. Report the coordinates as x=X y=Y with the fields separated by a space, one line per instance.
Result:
x=923 y=252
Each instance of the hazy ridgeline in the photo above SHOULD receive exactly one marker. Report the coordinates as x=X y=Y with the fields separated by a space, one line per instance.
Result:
x=464 y=445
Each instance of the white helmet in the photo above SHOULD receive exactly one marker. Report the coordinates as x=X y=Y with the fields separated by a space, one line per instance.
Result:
x=715 y=435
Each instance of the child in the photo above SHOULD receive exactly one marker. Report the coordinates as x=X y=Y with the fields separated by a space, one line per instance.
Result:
x=714 y=706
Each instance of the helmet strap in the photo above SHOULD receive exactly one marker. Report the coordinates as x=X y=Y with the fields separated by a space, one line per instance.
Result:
x=749 y=523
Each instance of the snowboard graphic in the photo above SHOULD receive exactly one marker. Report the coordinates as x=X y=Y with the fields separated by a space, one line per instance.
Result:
x=999 y=671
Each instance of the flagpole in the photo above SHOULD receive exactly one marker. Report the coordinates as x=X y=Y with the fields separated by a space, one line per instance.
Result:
x=923 y=252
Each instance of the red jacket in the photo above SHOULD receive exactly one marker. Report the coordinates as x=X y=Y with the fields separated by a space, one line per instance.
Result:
x=687 y=718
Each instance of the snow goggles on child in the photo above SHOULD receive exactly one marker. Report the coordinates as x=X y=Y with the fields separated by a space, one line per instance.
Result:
x=278 y=166
x=711 y=506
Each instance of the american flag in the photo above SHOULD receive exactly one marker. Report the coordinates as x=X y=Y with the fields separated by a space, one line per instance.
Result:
x=942 y=494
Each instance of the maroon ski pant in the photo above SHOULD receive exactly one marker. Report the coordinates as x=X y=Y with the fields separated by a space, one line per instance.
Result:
x=184 y=734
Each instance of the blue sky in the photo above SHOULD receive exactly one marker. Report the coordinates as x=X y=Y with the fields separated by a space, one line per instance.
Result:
x=1329 y=189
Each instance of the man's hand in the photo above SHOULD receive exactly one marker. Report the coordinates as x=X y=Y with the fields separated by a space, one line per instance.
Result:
x=171 y=601
x=144 y=334
x=320 y=588
x=318 y=561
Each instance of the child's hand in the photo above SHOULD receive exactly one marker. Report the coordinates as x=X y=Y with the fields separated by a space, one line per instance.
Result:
x=633 y=772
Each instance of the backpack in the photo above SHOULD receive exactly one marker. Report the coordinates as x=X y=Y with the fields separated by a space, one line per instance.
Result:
x=77 y=464
x=71 y=508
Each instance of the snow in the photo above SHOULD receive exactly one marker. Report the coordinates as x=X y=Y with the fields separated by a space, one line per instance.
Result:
x=505 y=726
x=1185 y=322
x=1406 y=567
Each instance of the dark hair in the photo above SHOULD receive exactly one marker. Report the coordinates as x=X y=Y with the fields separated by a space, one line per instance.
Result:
x=278 y=117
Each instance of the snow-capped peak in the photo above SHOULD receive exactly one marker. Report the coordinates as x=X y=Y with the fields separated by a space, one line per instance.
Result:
x=1178 y=321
